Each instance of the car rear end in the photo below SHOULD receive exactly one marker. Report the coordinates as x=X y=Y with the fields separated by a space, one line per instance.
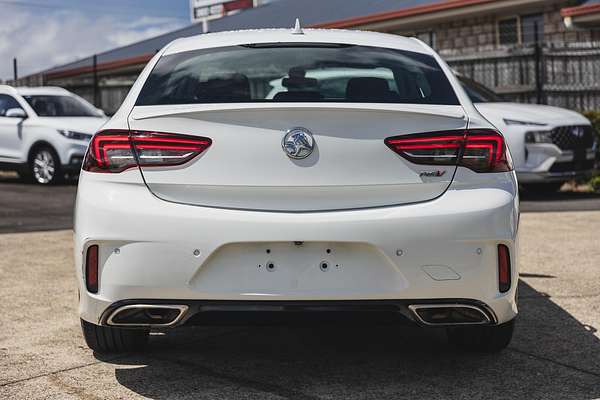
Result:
x=203 y=196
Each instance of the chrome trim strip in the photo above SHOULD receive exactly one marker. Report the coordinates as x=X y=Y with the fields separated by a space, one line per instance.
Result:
x=415 y=307
x=182 y=310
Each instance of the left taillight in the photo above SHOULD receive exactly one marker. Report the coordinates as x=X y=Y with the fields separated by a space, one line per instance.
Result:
x=115 y=151
x=480 y=150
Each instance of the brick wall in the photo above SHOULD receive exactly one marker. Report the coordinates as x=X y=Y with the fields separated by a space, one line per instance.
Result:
x=480 y=34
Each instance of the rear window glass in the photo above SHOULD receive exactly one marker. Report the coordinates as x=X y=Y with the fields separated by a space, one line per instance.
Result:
x=297 y=73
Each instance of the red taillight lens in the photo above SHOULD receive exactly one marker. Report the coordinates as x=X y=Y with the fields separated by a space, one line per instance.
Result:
x=504 y=273
x=479 y=150
x=91 y=269
x=116 y=151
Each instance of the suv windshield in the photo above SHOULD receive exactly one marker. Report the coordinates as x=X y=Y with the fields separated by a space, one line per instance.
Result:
x=297 y=73
x=61 y=106
x=479 y=93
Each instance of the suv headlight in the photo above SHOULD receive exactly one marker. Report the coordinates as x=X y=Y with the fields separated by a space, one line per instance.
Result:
x=74 y=134
x=538 y=137
x=524 y=123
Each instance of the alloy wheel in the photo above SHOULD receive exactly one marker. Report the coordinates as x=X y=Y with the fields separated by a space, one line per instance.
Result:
x=44 y=167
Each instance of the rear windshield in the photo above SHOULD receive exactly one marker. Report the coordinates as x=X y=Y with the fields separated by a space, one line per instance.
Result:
x=297 y=73
x=479 y=93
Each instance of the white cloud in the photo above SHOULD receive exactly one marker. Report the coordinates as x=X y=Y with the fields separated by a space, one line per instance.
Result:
x=42 y=41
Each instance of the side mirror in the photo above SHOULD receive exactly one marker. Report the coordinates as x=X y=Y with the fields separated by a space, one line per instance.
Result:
x=16 y=113
x=101 y=111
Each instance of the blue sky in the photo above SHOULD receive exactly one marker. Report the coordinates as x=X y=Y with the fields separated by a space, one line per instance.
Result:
x=44 y=33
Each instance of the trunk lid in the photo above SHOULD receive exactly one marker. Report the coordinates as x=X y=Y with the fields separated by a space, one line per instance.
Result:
x=247 y=168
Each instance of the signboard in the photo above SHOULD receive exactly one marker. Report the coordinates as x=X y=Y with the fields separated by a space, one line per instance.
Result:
x=202 y=10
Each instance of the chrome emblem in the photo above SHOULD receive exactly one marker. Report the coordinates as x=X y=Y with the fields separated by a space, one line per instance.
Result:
x=577 y=131
x=298 y=143
x=431 y=174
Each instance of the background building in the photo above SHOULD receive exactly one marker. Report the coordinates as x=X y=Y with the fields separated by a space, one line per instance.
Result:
x=545 y=51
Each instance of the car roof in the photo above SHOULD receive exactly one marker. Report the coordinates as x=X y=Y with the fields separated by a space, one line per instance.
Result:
x=38 y=90
x=255 y=36
x=42 y=90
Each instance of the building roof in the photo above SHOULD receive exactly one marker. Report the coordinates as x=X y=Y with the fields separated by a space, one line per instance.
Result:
x=586 y=6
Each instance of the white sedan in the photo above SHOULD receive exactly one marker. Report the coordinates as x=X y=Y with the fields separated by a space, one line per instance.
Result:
x=205 y=198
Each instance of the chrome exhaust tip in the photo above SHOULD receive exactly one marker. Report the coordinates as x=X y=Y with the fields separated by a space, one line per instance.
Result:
x=450 y=314
x=146 y=315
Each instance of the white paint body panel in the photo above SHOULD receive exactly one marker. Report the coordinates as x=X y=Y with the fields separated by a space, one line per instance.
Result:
x=246 y=169
x=215 y=251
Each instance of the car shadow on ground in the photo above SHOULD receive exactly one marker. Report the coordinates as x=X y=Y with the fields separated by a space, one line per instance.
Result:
x=552 y=356
x=558 y=196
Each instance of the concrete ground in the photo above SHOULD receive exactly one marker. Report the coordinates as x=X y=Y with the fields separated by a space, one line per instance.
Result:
x=555 y=353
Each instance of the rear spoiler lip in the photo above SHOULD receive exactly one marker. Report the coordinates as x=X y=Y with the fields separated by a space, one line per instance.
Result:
x=148 y=112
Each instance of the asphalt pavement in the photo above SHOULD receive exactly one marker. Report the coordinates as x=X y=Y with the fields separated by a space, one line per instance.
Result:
x=555 y=353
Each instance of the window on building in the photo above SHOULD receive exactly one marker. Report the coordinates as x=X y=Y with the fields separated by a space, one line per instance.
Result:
x=427 y=37
x=520 y=29
x=508 y=31
x=529 y=24
x=6 y=103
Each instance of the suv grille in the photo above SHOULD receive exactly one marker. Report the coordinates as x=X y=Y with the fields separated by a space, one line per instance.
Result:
x=573 y=137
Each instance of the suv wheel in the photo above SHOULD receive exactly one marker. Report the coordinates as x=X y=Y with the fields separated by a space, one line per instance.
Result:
x=487 y=339
x=107 y=339
x=44 y=166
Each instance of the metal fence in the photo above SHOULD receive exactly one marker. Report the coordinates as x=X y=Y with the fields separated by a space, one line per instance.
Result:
x=567 y=76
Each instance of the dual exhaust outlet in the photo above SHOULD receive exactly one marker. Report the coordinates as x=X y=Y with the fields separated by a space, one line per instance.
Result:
x=439 y=314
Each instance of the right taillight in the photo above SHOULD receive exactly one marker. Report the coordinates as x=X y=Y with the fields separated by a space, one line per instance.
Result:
x=115 y=151
x=481 y=150
x=91 y=269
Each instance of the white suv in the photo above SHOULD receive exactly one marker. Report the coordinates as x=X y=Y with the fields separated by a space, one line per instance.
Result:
x=205 y=199
x=44 y=131
x=549 y=145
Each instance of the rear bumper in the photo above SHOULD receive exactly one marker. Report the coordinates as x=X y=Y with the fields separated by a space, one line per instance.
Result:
x=541 y=177
x=154 y=250
x=548 y=163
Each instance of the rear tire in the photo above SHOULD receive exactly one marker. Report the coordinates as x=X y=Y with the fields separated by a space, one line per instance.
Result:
x=483 y=339
x=107 y=339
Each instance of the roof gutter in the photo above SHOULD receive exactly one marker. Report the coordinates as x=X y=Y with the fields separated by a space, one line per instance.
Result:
x=415 y=17
x=111 y=65
x=581 y=16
